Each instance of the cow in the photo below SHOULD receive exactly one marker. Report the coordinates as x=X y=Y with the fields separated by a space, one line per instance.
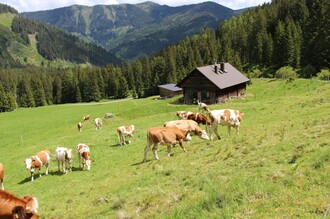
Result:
x=165 y=135
x=86 y=117
x=37 y=161
x=202 y=106
x=190 y=126
x=84 y=156
x=98 y=123
x=2 y=175
x=123 y=131
x=199 y=118
x=79 y=125
x=64 y=159
x=12 y=207
x=225 y=117
x=108 y=115
x=183 y=114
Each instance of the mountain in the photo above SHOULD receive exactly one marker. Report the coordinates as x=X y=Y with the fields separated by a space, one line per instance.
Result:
x=132 y=31
x=24 y=41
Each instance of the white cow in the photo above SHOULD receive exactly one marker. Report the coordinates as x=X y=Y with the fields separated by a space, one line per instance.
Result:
x=64 y=159
x=124 y=131
x=225 y=117
x=98 y=123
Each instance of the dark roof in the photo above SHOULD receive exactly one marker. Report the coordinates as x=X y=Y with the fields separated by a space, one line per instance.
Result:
x=171 y=87
x=222 y=80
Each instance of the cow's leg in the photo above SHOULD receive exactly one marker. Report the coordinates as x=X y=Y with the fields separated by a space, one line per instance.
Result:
x=39 y=173
x=154 y=150
x=64 y=166
x=79 y=160
x=58 y=165
x=229 y=127
x=47 y=167
x=216 y=132
x=32 y=176
x=146 y=149
x=237 y=130
x=169 y=146
x=181 y=145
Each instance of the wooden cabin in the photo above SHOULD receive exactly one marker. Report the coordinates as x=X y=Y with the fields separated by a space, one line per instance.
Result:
x=213 y=84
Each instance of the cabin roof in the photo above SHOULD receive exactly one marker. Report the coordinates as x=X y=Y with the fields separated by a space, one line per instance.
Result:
x=171 y=87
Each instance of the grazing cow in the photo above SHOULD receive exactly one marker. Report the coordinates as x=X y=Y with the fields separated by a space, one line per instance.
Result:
x=98 y=123
x=2 y=174
x=225 y=117
x=108 y=115
x=165 y=135
x=37 y=161
x=199 y=118
x=123 y=131
x=202 y=106
x=64 y=159
x=79 y=125
x=190 y=126
x=86 y=117
x=84 y=156
x=12 y=207
x=183 y=114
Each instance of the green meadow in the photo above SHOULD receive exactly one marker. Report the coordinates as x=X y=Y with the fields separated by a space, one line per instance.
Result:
x=278 y=167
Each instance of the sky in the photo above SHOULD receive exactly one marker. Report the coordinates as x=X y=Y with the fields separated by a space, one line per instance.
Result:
x=39 y=5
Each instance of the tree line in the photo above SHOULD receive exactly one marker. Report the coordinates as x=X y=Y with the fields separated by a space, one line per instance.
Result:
x=288 y=35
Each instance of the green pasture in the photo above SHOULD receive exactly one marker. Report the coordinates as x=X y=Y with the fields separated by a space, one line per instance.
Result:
x=278 y=167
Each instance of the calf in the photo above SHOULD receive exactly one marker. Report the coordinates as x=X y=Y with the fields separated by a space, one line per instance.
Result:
x=123 y=131
x=183 y=114
x=202 y=106
x=98 y=123
x=190 y=126
x=165 y=135
x=14 y=207
x=86 y=117
x=2 y=174
x=79 y=125
x=225 y=117
x=84 y=156
x=37 y=161
x=64 y=159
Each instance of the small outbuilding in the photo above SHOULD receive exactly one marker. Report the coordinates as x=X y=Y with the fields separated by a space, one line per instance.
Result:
x=213 y=84
x=169 y=90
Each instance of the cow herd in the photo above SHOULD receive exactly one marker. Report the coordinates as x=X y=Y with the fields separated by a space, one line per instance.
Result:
x=173 y=132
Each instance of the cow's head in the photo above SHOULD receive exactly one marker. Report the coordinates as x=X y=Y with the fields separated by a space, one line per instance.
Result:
x=89 y=164
x=68 y=154
x=29 y=164
x=203 y=135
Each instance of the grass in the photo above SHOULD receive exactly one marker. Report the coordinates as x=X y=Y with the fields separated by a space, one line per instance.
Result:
x=278 y=167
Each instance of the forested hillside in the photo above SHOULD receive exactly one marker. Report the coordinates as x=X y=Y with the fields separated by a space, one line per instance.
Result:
x=285 y=39
x=27 y=42
x=132 y=31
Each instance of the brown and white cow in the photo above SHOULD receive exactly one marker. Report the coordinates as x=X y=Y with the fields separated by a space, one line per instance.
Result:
x=98 y=123
x=225 y=117
x=190 y=126
x=12 y=207
x=84 y=155
x=37 y=161
x=123 y=131
x=64 y=159
x=199 y=118
x=183 y=114
x=79 y=126
x=2 y=175
x=86 y=117
x=165 y=135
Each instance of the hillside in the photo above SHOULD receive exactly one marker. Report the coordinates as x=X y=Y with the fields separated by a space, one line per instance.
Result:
x=131 y=31
x=278 y=167
x=27 y=42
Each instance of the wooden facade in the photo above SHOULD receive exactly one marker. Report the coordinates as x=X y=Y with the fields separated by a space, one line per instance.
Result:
x=212 y=85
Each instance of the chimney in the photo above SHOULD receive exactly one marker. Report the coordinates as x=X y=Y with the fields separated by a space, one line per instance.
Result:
x=216 y=68
x=222 y=67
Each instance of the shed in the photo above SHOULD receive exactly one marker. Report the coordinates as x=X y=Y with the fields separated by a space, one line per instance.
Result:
x=169 y=90
x=213 y=84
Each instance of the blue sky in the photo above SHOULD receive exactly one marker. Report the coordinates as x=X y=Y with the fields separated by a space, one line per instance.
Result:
x=38 y=5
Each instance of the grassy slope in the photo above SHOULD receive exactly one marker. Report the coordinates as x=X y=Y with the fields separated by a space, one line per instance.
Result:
x=279 y=165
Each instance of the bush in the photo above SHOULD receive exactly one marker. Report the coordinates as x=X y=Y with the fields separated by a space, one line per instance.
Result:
x=324 y=74
x=286 y=72
x=308 y=71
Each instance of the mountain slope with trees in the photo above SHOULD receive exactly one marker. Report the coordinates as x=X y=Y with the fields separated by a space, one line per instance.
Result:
x=132 y=31
x=28 y=42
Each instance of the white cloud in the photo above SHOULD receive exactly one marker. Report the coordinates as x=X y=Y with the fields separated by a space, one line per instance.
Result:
x=37 y=5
